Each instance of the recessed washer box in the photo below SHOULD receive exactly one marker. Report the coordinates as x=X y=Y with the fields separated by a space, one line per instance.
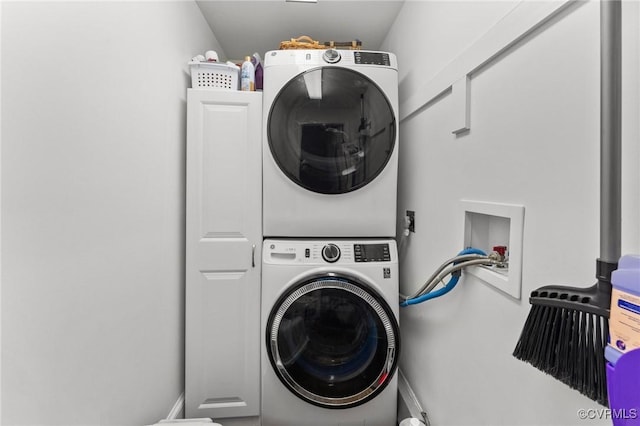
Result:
x=487 y=225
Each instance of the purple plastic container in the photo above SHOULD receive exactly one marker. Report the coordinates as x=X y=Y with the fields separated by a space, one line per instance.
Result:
x=257 y=63
x=623 y=359
x=623 y=385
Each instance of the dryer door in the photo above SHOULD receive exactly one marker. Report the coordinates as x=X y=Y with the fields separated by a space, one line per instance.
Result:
x=333 y=341
x=331 y=130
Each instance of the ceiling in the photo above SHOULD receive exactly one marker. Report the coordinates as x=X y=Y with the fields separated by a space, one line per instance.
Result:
x=243 y=27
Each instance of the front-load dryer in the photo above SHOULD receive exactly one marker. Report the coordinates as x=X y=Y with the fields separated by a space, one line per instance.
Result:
x=330 y=144
x=331 y=339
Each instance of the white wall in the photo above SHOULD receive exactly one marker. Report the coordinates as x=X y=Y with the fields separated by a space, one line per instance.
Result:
x=93 y=114
x=533 y=141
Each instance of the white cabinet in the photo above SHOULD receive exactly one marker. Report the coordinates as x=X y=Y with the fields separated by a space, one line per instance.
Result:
x=223 y=244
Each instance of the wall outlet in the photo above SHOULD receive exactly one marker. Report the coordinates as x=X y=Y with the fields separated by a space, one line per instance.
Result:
x=488 y=225
x=411 y=220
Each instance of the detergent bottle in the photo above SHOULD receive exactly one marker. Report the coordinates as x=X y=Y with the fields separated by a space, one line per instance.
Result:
x=257 y=63
x=624 y=320
x=247 y=75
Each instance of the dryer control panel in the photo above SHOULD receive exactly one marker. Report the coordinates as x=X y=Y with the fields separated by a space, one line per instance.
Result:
x=372 y=58
x=337 y=57
x=325 y=252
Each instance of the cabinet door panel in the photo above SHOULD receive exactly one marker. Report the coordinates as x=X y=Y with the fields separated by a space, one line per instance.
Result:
x=222 y=372
x=225 y=180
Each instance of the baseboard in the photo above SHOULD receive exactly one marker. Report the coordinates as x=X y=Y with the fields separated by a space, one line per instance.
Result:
x=177 y=412
x=408 y=404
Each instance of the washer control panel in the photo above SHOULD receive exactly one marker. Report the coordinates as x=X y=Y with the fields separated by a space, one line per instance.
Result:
x=372 y=252
x=324 y=252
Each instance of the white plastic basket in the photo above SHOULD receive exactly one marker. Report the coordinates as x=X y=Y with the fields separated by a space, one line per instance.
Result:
x=213 y=75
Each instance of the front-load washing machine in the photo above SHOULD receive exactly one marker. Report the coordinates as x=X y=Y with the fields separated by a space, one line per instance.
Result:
x=331 y=338
x=330 y=143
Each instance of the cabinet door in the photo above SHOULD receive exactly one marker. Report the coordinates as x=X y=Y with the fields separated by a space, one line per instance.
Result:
x=223 y=242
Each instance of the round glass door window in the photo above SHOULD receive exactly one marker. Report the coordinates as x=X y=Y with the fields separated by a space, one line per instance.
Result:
x=331 y=130
x=333 y=342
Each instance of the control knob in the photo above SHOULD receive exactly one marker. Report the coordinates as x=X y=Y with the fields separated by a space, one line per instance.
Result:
x=331 y=56
x=331 y=253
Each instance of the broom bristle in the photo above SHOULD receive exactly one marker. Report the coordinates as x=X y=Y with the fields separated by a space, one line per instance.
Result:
x=569 y=345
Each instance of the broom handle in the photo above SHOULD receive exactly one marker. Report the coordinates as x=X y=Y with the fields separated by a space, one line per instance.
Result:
x=610 y=130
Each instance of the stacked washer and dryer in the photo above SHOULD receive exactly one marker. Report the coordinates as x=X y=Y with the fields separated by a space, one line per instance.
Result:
x=330 y=264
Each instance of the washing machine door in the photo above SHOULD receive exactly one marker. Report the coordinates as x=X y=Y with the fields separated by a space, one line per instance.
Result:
x=333 y=341
x=331 y=130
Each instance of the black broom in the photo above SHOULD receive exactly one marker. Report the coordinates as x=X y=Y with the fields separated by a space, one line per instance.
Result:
x=567 y=329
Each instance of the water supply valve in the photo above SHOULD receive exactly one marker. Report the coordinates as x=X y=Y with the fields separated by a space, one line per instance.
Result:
x=499 y=253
